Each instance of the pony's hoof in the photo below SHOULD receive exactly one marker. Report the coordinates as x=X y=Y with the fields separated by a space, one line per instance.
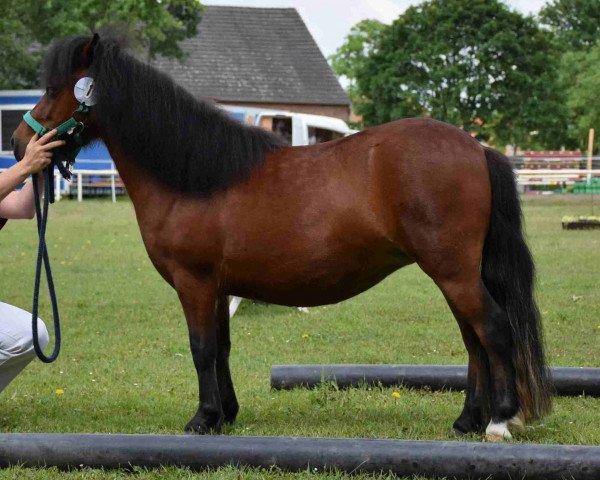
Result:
x=200 y=429
x=230 y=411
x=465 y=426
x=195 y=429
x=199 y=426
x=497 y=432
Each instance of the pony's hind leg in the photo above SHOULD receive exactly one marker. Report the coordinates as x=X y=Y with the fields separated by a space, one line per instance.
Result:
x=226 y=390
x=496 y=336
x=473 y=305
x=472 y=418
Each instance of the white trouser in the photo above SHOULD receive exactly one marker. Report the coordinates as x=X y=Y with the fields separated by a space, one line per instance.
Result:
x=16 y=342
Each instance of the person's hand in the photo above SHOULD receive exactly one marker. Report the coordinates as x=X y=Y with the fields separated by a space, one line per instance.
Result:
x=38 y=153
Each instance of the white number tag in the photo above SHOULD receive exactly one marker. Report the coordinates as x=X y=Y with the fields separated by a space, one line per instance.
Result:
x=84 y=91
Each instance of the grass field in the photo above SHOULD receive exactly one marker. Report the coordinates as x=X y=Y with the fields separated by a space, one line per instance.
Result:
x=125 y=365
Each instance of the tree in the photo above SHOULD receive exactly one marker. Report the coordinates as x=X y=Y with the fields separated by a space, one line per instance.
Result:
x=473 y=63
x=17 y=66
x=576 y=23
x=26 y=28
x=349 y=59
x=361 y=41
x=576 y=26
x=580 y=72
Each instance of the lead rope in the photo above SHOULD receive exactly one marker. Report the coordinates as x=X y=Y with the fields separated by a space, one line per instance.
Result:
x=72 y=127
x=43 y=256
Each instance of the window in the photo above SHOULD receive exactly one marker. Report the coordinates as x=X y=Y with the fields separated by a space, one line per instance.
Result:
x=9 y=121
x=279 y=125
x=320 y=135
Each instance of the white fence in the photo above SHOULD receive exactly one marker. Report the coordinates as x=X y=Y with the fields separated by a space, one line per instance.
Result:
x=554 y=177
x=63 y=187
x=101 y=175
x=555 y=171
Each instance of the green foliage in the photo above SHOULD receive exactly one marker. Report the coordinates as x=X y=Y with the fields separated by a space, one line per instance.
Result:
x=349 y=60
x=475 y=64
x=17 y=65
x=576 y=23
x=350 y=57
x=576 y=27
x=581 y=78
x=26 y=28
x=535 y=115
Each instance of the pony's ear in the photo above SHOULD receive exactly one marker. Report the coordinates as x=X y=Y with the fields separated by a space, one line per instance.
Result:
x=87 y=55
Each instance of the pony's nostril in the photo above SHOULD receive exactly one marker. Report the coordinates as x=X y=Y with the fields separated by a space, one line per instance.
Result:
x=12 y=142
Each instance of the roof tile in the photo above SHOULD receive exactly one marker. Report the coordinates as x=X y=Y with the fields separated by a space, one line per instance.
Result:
x=254 y=55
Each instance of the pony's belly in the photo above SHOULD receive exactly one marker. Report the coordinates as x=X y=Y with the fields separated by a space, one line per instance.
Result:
x=311 y=288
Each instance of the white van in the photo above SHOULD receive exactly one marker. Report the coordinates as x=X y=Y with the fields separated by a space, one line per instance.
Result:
x=296 y=128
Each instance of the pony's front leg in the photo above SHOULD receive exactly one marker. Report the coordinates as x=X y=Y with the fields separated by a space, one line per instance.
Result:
x=198 y=298
x=228 y=398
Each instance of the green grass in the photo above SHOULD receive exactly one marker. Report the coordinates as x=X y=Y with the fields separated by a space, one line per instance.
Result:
x=125 y=365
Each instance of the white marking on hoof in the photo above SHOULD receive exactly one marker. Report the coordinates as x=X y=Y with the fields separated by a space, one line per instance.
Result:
x=496 y=432
x=517 y=423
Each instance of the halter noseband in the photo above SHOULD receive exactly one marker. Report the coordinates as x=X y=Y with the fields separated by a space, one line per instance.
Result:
x=63 y=128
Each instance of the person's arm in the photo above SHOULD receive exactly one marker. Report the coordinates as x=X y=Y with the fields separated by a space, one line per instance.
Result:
x=38 y=154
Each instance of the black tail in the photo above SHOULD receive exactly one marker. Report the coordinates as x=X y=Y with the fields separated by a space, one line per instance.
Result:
x=508 y=274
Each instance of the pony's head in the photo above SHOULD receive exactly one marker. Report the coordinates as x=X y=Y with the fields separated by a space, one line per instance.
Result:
x=67 y=99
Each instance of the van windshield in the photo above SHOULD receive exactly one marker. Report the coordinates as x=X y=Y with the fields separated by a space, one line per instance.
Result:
x=320 y=135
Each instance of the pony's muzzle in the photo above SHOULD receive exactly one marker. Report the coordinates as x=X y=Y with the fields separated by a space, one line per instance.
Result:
x=15 y=146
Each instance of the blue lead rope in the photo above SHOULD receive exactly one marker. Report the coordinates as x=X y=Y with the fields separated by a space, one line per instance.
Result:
x=42 y=256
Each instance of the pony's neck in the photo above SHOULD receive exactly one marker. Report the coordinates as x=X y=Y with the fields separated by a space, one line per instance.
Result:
x=141 y=187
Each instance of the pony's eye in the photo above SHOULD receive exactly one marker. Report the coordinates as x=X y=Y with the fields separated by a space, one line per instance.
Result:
x=51 y=91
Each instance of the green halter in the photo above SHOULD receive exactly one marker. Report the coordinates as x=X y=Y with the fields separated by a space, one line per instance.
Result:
x=70 y=129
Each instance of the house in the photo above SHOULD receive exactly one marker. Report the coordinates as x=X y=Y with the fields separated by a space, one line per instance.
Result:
x=260 y=58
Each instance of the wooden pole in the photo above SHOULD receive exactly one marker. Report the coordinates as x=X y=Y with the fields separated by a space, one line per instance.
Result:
x=590 y=154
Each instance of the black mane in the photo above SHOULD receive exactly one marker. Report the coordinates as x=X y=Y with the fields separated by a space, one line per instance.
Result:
x=189 y=145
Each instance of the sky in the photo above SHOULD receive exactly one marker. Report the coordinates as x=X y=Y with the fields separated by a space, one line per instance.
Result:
x=329 y=21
